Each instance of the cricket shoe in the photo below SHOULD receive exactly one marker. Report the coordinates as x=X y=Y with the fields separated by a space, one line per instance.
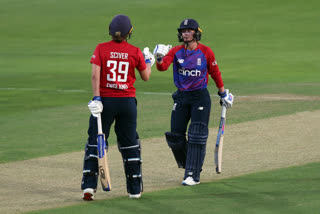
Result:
x=88 y=194
x=134 y=195
x=189 y=181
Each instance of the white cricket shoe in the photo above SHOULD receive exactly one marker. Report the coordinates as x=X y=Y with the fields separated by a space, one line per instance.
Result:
x=88 y=194
x=190 y=182
x=134 y=195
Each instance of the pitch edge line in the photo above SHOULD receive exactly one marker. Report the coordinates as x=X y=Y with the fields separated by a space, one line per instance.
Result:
x=151 y=93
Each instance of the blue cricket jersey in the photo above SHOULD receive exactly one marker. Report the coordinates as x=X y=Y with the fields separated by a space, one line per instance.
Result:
x=191 y=69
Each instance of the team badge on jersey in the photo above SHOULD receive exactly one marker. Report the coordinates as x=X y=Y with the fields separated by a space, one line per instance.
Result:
x=93 y=56
x=199 y=61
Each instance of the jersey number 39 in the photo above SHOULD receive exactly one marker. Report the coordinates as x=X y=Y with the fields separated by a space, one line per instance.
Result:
x=119 y=71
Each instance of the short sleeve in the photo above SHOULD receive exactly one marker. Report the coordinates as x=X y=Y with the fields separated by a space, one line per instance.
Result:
x=96 y=59
x=141 y=62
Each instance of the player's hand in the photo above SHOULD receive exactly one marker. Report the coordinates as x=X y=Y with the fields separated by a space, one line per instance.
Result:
x=148 y=57
x=95 y=106
x=160 y=51
x=226 y=98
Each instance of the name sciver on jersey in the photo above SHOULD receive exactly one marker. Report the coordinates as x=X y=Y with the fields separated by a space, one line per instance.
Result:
x=117 y=55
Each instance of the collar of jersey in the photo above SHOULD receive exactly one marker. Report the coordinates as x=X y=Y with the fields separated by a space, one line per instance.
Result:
x=190 y=51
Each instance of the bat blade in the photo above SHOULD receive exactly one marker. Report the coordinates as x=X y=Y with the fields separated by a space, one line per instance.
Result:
x=219 y=142
x=218 y=156
x=103 y=163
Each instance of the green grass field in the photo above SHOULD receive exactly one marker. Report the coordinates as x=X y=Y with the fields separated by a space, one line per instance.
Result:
x=262 y=47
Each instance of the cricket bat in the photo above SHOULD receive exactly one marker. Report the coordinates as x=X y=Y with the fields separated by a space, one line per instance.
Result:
x=102 y=160
x=219 y=142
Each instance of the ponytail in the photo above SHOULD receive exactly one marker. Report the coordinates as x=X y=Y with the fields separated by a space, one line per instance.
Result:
x=118 y=38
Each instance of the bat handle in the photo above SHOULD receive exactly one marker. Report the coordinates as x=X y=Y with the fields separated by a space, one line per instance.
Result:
x=99 y=124
x=223 y=111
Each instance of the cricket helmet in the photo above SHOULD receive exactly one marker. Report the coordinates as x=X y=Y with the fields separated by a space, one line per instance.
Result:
x=120 y=23
x=189 y=24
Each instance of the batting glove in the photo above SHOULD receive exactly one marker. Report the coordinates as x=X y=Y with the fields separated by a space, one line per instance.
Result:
x=160 y=51
x=95 y=106
x=226 y=98
x=148 y=57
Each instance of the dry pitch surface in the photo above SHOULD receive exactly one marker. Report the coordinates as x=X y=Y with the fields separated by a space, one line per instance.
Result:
x=260 y=145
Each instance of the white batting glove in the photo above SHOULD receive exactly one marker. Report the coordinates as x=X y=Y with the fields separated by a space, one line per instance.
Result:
x=160 y=51
x=148 y=57
x=226 y=98
x=95 y=106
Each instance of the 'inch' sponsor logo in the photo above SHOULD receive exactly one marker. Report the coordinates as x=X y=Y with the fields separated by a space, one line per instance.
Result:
x=186 y=72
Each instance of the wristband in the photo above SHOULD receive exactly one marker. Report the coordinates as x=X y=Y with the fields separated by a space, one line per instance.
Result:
x=147 y=61
x=98 y=98
x=222 y=94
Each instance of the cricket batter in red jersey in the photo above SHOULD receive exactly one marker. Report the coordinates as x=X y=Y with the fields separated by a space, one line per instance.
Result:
x=113 y=76
x=192 y=64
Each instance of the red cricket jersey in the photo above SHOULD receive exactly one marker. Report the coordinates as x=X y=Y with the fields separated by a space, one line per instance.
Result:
x=118 y=62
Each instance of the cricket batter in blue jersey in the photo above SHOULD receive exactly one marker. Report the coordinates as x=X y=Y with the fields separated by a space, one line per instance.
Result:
x=192 y=64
